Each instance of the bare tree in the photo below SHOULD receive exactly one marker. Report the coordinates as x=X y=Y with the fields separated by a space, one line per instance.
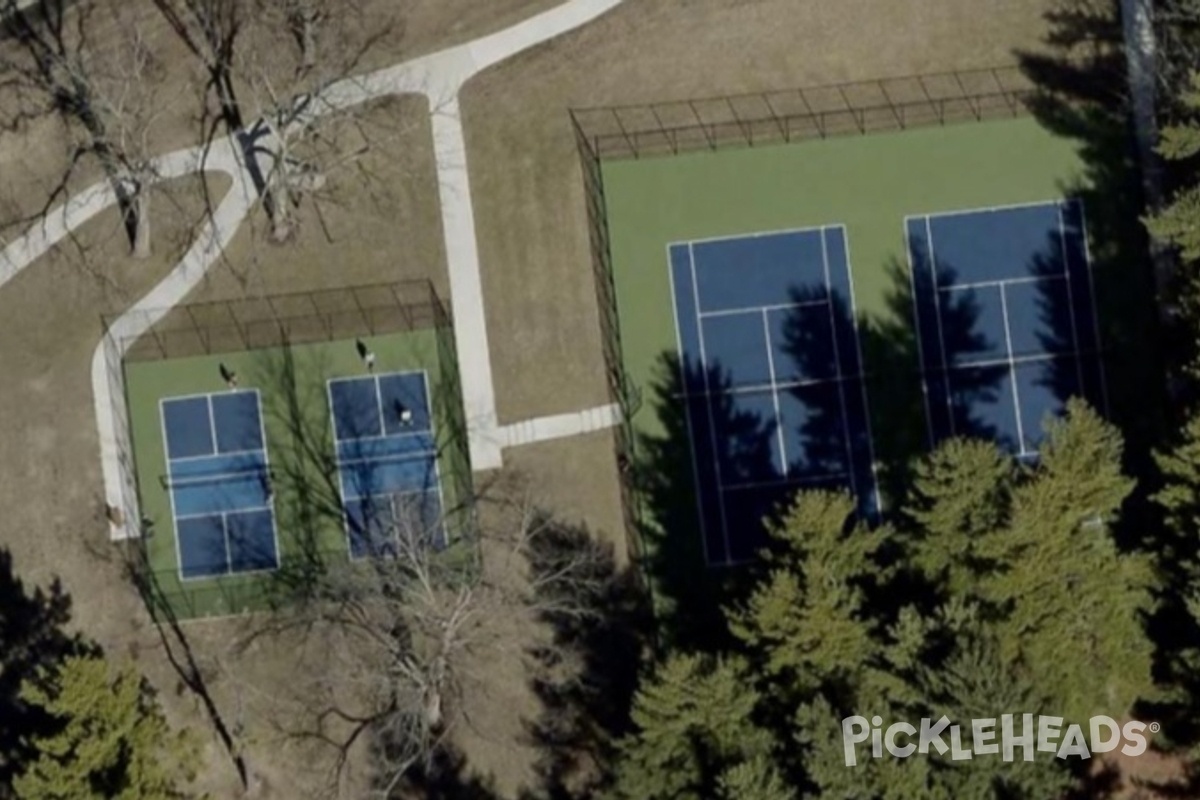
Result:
x=408 y=631
x=269 y=64
x=90 y=64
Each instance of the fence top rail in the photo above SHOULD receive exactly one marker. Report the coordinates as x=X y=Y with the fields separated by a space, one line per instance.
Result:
x=253 y=322
x=284 y=305
x=1007 y=71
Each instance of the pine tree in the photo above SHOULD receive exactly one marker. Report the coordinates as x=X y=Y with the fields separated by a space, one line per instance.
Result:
x=806 y=619
x=756 y=779
x=1178 y=563
x=1176 y=223
x=1073 y=604
x=695 y=721
x=114 y=743
x=974 y=681
x=960 y=497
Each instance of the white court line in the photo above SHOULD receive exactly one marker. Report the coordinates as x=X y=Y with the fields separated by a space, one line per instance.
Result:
x=162 y=421
x=937 y=310
x=733 y=237
x=837 y=361
x=212 y=425
x=1062 y=243
x=756 y=309
x=762 y=388
x=1003 y=282
x=1087 y=253
x=862 y=369
x=247 y=510
x=1012 y=373
x=262 y=433
x=1015 y=359
x=687 y=406
x=916 y=301
x=210 y=456
x=379 y=404
x=712 y=430
x=963 y=212
x=783 y=459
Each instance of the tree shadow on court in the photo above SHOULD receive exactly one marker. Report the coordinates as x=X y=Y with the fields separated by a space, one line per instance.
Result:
x=1067 y=326
x=33 y=637
x=816 y=410
x=1082 y=95
x=900 y=409
x=689 y=594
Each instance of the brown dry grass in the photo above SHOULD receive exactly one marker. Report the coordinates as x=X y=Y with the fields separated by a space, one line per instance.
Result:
x=50 y=485
x=525 y=174
x=528 y=193
x=376 y=220
x=35 y=156
x=541 y=305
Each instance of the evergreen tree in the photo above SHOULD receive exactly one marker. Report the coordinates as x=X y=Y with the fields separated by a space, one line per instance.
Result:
x=756 y=779
x=695 y=723
x=959 y=498
x=1176 y=223
x=114 y=743
x=806 y=620
x=1178 y=562
x=1073 y=605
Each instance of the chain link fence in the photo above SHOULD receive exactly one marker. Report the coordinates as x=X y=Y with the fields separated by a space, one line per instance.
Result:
x=750 y=120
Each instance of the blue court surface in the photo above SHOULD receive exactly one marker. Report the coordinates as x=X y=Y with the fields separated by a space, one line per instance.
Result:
x=1006 y=320
x=219 y=483
x=772 y=378
x=387 y=462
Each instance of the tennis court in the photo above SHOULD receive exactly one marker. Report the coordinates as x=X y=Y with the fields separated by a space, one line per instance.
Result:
x=771 y=378
x=219 y=483
x=387 y=461
x=1006 y=319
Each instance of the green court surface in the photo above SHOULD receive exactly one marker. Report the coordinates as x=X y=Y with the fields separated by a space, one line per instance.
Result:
x=292 y=384
x=867 y=183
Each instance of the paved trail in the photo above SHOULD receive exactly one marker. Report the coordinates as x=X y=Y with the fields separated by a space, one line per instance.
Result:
x=439 y=76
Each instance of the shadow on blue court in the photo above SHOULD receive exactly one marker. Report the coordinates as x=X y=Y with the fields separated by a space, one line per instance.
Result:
x=1006 y=321
x=387 y=462
x=219 y=483
x=772 y=379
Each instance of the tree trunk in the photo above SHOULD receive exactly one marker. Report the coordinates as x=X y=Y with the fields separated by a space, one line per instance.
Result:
x=279 y=202
x=141 y=212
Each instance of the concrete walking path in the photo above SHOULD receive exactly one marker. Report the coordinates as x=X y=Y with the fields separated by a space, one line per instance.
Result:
x=439 y=77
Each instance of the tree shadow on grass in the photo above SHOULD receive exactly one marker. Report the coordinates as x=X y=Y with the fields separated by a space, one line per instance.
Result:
x=586 y=670
x=33 y=637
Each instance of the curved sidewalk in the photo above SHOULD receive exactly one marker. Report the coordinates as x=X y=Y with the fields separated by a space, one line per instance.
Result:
x=439 y=77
